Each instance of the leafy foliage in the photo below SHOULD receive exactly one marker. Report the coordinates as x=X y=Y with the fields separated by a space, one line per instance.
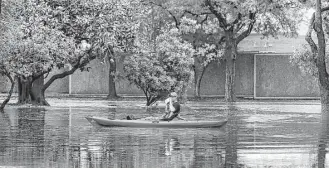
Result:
x=161 y=65
x=38 y=36
x=305 y=60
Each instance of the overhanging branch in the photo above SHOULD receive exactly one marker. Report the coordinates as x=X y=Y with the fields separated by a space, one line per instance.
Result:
x=219 y=16
x=247 y=32
x=309 y=39
x=170 y=13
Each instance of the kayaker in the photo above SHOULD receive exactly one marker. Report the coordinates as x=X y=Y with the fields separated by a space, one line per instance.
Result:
x=172 y=110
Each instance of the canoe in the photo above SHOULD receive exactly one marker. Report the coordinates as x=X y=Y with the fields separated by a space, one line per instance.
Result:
x=156 y=124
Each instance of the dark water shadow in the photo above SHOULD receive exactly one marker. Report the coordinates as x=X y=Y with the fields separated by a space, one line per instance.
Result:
x=323 y=142
x=25 y=133
x=232 y=129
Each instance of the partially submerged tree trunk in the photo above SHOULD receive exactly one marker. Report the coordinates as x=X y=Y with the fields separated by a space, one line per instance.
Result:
x=38 y=94
x=232 y=39
x=230 y=55
x=12 y=82
x=31 y=91
x=24 y=90
x=319 y=51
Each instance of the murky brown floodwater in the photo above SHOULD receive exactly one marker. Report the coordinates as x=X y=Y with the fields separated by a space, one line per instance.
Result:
x=257 y=135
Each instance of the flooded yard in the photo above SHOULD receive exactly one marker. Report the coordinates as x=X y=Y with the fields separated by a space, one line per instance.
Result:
x=258 y=134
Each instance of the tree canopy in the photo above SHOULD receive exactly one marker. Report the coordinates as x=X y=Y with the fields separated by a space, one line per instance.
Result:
x=38 y=36
x=162 y=60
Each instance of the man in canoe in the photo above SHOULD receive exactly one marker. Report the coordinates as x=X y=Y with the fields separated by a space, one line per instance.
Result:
x=172 y=110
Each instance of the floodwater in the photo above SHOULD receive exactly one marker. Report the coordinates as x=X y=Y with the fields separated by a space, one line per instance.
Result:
x=258 y=134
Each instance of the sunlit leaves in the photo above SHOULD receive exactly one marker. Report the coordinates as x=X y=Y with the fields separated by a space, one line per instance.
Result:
x=31 y=43
x=162 y=60
x=305 y=60
x=41 y=35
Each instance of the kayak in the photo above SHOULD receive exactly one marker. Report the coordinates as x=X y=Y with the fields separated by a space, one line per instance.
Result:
x=156 y=124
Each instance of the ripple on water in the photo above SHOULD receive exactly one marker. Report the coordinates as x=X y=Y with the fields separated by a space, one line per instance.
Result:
x=255 y=136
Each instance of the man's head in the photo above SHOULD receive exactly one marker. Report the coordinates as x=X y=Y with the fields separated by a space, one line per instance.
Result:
x=173 y=96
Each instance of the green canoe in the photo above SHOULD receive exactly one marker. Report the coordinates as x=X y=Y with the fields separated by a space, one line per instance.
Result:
x=153 y=124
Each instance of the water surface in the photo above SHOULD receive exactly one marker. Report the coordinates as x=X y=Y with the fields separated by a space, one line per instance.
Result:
x=256 y=135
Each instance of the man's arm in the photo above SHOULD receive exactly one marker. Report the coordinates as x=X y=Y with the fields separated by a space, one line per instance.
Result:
x=180 y=118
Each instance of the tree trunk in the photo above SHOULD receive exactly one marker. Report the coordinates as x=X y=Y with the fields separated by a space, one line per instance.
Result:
x=198 y=74
x=38 y=92
x=112 y=71
x=31 y=92
x=4 y=103
x=230 y=56
x=183 y=94
x=319 y=54
x=24 y=90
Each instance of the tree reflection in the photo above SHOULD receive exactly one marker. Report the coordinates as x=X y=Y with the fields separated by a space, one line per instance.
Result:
x=26 y=135
x=4 y=132
x=323 y=140
x=232 y=137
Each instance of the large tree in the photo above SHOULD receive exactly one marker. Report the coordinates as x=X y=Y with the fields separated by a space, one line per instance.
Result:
x=53 y=34
x=237 y=19
x=162 y=61
x=199 y=30
x=314 y=59
x=3 y=70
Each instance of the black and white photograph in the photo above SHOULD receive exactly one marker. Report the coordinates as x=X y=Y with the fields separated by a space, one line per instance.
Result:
x=164 y=83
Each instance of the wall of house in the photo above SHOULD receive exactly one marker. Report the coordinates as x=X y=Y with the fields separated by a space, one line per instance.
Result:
x=277 y=77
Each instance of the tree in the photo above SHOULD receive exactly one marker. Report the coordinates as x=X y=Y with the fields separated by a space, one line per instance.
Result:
x=3 y=70
x=201 y=31
x=59 y=33
x=159 y=65
x=318 y=58
x=123 y=40
x=237 y=19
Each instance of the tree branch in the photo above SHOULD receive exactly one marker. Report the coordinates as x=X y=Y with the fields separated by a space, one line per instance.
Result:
x=77 y=65
x=309 y=39
x=172 y=15
x=12 y=82
x=219 y=16
x=247 y=32
x=38 y=75
x=204 y=20
x=197 y=14
x=236 y=20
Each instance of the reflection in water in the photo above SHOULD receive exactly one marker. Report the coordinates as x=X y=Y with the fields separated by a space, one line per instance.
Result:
x=232 y=137
x=24 y=142
x=124 y=147
x=62 y=137
x=323 y=140
x=171 y=145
